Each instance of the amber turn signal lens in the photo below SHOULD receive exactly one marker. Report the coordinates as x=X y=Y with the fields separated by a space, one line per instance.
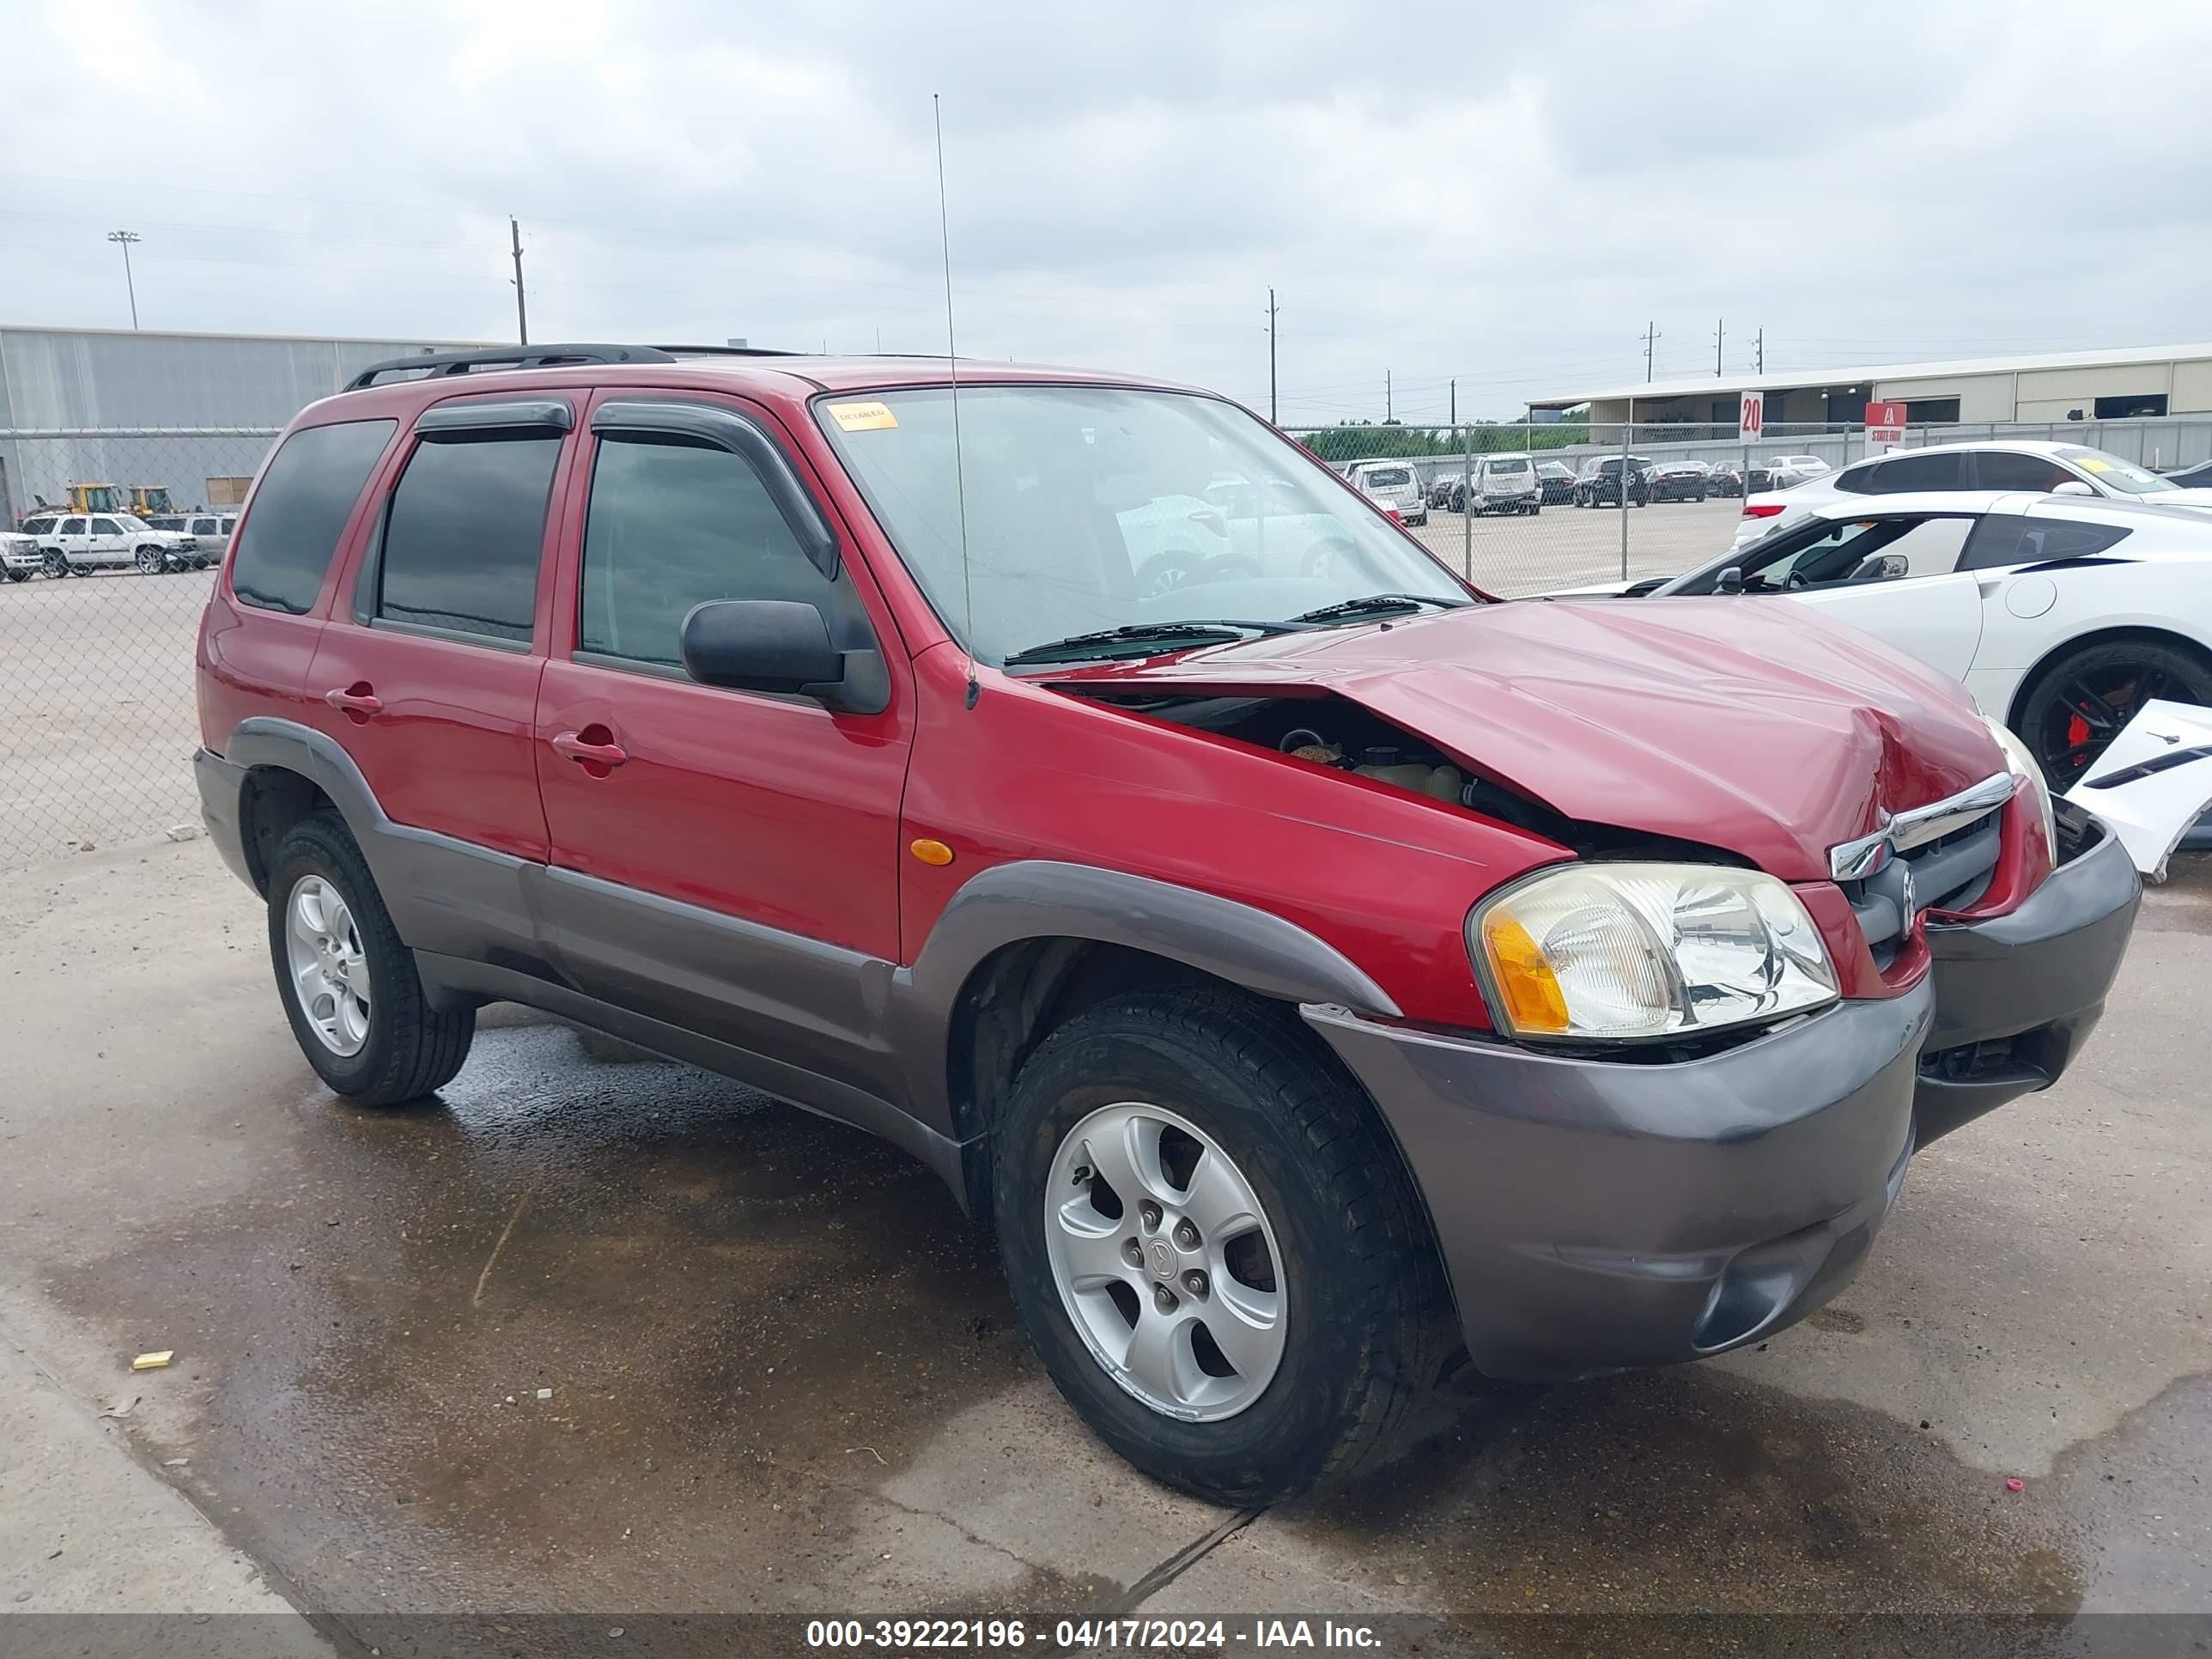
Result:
x=930 y=852
x=1526 y=983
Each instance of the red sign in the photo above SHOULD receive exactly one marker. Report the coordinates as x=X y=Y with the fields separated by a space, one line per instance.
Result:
x=1885 y=424
x=1752 y=421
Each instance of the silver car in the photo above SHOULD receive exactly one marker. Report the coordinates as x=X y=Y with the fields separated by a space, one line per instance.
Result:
x=1394 y=486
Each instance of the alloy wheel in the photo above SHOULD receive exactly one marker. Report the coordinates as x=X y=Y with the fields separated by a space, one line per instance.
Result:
x=330 y=971
x=2092 y=706
x=1166 y=1262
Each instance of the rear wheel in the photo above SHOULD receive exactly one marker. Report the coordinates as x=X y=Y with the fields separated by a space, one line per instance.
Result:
x=348 y=984
x=19 y=575
x=2080 y=703
x=1214 y=1247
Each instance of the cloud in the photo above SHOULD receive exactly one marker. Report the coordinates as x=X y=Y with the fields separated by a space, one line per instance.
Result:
x=1445 y=192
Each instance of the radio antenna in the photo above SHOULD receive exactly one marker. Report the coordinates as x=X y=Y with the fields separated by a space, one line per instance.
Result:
x=952 y=367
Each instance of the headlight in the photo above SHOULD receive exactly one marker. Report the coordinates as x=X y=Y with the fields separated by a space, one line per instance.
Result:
x=1640 y=950
x=2023 y=767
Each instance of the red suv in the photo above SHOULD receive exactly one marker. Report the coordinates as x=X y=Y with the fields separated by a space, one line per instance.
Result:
x=1308 y=966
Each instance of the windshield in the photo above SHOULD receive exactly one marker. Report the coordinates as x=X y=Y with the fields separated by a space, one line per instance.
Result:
x=2113 y=473
x=1091 y=507
x=129 y=523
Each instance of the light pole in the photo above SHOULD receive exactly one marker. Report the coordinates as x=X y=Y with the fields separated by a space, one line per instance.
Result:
x=124 y=239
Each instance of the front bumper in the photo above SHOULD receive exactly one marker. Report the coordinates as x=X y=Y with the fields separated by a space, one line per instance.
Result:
x=1596 y=1214
x=2017 y=995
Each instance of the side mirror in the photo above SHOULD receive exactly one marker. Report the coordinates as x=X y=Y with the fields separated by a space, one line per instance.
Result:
x=1880 y=568
x=1730 y=581
x=762 y=645
x=2072 y=487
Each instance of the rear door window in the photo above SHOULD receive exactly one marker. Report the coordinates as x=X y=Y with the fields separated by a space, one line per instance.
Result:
x=72 y=527
x=307 y=494
x=2012 y=469
x=205 y=527
x=1936 y=470
x=464 y=535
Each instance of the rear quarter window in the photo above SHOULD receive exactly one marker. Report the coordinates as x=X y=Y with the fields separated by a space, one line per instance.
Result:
x=307 y=494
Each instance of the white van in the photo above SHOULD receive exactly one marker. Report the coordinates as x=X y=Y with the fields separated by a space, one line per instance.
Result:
x=1393 y=484
x=1507 y=484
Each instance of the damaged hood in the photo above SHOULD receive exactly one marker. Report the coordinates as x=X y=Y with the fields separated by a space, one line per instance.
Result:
x=1757 y=726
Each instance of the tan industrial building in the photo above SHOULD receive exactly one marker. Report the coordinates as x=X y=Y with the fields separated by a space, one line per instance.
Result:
x=2121 y=383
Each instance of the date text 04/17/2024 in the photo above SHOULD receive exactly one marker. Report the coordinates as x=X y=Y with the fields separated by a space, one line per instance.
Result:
x=1165 y=1635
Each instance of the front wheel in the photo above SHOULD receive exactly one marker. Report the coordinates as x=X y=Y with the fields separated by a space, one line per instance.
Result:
x=2080 y=702
x=149 y=560
x=56 y=565
x=1214 y=1246
x=347 y=982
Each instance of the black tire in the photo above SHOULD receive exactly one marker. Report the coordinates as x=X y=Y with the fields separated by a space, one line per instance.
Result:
x=411 y=1048
x=57 y=564
x=2078 y=703
x=1367 y=1333
x=19 y=575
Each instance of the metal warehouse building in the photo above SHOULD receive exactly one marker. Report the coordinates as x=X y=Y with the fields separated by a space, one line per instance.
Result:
x=193 y=412
x=2121 y=383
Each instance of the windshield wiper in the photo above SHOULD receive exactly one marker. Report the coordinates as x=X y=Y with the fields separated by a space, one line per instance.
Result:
x=1135 y=633
x=1370 y=602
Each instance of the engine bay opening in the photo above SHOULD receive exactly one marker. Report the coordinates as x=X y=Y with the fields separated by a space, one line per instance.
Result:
x=1334 y=732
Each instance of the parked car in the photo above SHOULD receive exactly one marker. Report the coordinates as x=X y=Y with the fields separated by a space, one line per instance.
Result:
x=19 y=557
x=1724 y=478
x=1506 y=483
x=2063 y=615
x=1303 y=976
x=1557 y=479
x=1598 y=484
x=1393 y=486
x=2006 y=464
x=1786 y=471
x=1679 y=481
x=2192 y=477
x=76 y=544
x=210 y=533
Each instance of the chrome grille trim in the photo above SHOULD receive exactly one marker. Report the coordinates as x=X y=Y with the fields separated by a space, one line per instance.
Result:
x=1900 y=832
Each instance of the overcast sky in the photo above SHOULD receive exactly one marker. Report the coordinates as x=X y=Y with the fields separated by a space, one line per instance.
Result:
x=1504 y=195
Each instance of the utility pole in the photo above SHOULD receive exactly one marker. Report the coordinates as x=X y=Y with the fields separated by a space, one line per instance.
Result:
x=1720 y=333
x=1271 y=358
x=521 y=310
x=1389 y=411
x=124 y=239
x=1650 y=357
x=1454 y=403
x=1758 y=353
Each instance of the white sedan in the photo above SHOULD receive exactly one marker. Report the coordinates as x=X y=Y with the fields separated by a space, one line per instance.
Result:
x=2063 y=615
x=1993 y=463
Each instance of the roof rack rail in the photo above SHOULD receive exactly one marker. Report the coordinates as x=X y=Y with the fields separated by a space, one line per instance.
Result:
x=431 y=364
x=731 y=350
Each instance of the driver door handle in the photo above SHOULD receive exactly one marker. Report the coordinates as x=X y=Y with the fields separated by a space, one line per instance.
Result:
x=571 y=745
x=353 y=700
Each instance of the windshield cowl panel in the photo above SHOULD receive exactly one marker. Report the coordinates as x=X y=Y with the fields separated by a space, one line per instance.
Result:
x=1079 y=509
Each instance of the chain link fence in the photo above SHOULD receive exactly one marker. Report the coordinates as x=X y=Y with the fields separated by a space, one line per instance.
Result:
x=1582 y=534
x=102 y=596
x=109 y=541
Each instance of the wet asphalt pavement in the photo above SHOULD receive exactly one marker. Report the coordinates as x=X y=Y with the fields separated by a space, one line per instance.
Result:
x=784 y=1374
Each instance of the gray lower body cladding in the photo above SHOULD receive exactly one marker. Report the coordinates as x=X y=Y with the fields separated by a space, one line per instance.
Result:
x=1596 y=1214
